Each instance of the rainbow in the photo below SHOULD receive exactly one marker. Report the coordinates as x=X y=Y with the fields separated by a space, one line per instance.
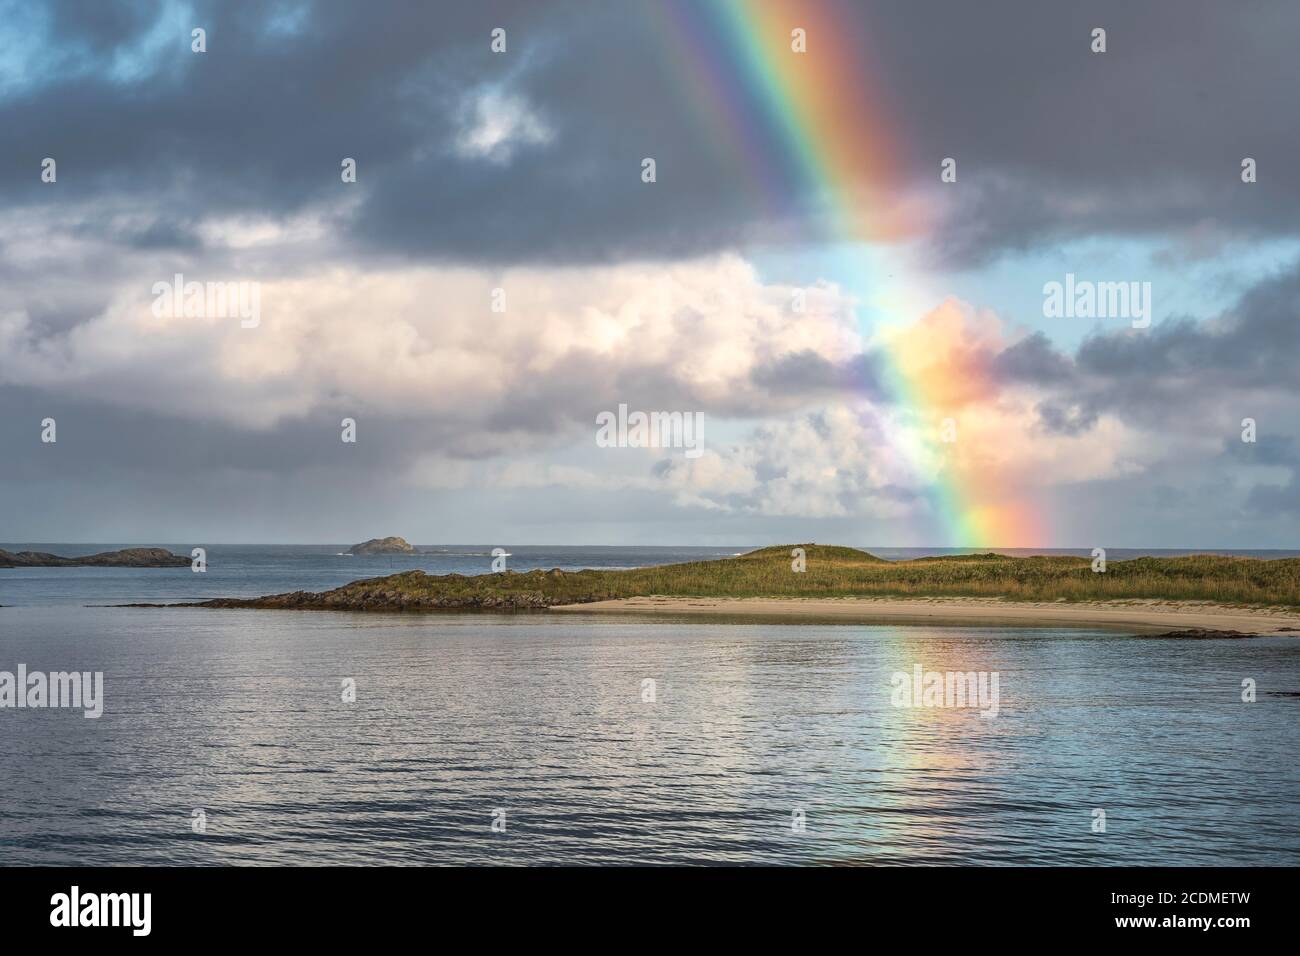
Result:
x=806 y=125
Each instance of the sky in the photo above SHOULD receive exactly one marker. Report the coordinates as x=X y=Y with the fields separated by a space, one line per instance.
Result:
x=839 y=266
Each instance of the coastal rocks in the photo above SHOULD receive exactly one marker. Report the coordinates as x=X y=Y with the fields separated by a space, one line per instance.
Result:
x=126 y=558
x=393 y=545
x=386 y=600
x=1204 y=633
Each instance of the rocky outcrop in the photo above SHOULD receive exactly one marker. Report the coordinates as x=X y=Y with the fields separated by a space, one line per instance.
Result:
x=1204 y=633
x=392 y=545
x=126 y=558
x=381 y=601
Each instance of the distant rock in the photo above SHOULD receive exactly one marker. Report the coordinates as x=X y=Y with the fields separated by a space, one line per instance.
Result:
x=382 y=546
x=126 y=558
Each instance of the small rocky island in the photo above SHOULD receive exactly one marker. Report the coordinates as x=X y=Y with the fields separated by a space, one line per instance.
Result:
x=126 y=558
x=391 y=545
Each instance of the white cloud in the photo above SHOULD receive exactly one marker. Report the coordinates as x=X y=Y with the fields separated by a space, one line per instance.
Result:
x=511 y=398
x=495 y=124
x=424 y=343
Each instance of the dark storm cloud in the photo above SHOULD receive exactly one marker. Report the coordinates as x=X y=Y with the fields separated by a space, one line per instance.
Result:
x=1242 y=361
x=156 y=443
x=1051 y=140
x=260 y=123
x=1063 y=419
x=1032 y=360
x=808 y=373
x=1254 y=345
x=1276 y=500
x=1054 y=141
x=1281 y=451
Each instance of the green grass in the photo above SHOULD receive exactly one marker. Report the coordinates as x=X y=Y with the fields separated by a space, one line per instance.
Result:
x=836 y=572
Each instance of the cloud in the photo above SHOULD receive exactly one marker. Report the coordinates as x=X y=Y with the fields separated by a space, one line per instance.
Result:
x=449 y=394
x=1179 y=374
x=424 y=344
x=1104 y=145
x=521 y=172
x=824 y=464
x=497 y=124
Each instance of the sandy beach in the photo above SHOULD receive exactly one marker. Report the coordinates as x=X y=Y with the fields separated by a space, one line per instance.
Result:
x=1133 y=616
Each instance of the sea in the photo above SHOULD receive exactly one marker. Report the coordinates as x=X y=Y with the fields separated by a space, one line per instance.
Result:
x=337 y=738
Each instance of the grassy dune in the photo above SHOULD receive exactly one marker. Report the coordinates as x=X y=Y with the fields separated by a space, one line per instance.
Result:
x=831 y=572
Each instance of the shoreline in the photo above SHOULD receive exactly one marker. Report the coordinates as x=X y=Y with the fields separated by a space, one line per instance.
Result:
x=1188 y=595
x=1144 y=616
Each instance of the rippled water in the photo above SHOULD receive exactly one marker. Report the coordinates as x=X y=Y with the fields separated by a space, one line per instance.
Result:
x=239 y=713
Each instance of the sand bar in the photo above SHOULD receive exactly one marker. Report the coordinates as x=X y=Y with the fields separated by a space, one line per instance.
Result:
x=1136 y=616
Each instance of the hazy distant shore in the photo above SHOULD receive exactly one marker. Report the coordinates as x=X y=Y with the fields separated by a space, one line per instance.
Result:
x=125 y=558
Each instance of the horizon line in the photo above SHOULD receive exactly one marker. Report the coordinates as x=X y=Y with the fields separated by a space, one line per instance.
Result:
x=486 y=544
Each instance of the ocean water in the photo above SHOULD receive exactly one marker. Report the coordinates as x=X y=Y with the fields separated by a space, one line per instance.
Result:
x=542 y=721
x=254 y=570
